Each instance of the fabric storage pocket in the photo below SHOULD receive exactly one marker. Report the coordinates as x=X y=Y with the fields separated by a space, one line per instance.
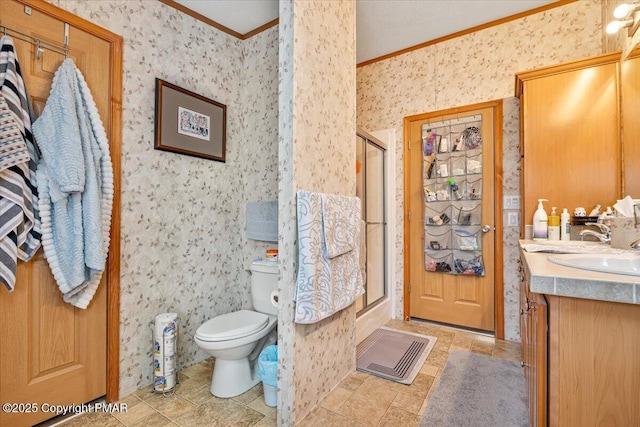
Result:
x=430 y=192
x=468 y=263
x=474 y=162
x=438 y=261
x=437 y=214
x=437 y=238
x=457 y=186
x=474 y=187
x=442 y=168
x=457 y=164
x=472 y=137
x=467 y=239
x=467 y=215
x=429 y=166
x=442 y=191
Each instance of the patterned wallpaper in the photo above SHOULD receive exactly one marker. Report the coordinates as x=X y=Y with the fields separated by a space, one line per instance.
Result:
x=183 y=217
x=259 y=121
x=287 y=233
x=317 y=153
x=470 y=69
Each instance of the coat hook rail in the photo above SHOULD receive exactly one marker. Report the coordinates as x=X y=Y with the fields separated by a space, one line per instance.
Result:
x=39 y=44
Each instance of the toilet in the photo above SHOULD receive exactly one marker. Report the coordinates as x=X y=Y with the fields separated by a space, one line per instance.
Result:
x=236 y=339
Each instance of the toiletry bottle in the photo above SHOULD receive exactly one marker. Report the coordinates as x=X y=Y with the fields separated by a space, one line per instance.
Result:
x=454 y=188
x=540 y=222
x=554 y=225
x=565 y=225
x=595 y=211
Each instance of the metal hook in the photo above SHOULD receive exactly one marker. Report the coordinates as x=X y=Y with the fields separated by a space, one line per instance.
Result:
x=39 y=50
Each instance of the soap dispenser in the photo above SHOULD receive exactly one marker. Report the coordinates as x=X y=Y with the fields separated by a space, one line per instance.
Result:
x=540 y=220
x=554 y=225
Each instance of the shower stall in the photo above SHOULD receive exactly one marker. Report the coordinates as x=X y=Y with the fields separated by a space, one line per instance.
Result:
x=371 y=169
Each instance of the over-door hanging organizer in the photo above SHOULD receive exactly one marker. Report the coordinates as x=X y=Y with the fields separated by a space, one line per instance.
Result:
x=39 y=44
x=452 y=180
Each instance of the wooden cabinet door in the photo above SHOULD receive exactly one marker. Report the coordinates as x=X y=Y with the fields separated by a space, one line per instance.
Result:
x=51 y=352
x=534 y=333
x=571 y=135
x=525 y=336
x=538 y=359
x=594 y=368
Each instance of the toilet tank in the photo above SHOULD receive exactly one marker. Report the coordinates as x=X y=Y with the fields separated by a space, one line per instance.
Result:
x=264 y=281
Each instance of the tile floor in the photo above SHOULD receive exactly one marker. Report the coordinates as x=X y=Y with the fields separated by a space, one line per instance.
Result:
x=359 y=400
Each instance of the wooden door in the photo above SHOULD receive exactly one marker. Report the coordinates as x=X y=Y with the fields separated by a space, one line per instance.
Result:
x=51 y=352
x=458 y=299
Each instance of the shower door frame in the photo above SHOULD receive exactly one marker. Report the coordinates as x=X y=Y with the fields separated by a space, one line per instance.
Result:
x=370 y=139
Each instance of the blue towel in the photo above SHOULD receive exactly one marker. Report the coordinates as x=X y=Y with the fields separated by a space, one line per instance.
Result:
x=75 y=182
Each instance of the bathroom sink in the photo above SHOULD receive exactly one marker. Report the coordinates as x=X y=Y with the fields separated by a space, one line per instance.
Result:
x=568 y=247
x=566 y=243
x=628 y=264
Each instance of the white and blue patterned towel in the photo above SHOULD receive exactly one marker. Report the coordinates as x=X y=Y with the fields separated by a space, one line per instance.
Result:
x=329 y=276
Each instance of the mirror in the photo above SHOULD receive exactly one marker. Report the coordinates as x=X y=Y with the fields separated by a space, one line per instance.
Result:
x=630 y=108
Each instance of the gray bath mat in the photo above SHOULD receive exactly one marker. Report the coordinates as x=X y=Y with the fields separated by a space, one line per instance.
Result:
x=480 y=391
x=393 y=354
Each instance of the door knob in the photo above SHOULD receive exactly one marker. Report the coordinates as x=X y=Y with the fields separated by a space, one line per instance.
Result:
x=486 y=228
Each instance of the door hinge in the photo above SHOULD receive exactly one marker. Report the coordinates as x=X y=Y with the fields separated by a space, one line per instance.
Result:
x=409 y=216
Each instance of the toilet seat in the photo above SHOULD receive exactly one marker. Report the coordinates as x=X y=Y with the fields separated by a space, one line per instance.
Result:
x=232 y=325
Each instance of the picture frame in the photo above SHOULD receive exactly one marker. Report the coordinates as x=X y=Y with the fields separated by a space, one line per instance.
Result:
x=188 y=123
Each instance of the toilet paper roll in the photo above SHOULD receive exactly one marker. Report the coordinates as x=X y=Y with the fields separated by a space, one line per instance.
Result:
x=274 y=298
x=165 y=342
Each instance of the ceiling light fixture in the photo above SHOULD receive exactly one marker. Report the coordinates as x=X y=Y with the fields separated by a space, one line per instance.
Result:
x=615 y=26
x=627 y=16
x=625 y=9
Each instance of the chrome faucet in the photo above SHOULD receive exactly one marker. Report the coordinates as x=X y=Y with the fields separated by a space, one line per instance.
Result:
x=604 y=236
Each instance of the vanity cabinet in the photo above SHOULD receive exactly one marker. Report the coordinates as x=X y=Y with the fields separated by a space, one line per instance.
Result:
x=534 y=332
x=581 y=357
x=570 y=134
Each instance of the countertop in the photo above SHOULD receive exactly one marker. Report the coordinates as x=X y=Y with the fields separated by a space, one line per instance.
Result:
x=553 y=279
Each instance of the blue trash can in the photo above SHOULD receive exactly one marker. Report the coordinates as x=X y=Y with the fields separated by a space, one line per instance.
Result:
x=268 y=373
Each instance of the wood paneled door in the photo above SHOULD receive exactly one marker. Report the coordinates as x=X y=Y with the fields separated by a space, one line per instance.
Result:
x=443 y=278
x=51 y=352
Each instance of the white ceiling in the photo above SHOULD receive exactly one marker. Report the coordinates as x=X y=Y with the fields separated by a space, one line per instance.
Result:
x=382 y=26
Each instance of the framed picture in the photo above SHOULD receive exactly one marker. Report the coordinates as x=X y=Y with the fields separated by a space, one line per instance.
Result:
x=188 y=123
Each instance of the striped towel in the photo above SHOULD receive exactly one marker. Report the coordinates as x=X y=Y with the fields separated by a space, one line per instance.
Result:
x=19 y=219
x=13 y=148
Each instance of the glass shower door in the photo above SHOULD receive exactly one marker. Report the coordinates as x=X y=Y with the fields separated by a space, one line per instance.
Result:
x=370 y=187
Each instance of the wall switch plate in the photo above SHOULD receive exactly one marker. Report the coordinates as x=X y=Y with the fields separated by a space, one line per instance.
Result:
x=511 y=202
x=513 y=219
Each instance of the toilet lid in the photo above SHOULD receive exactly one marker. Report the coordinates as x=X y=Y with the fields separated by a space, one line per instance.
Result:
x=232 y=325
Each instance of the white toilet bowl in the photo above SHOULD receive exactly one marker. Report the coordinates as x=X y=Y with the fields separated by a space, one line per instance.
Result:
x=232 y=339
x=236 y=339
